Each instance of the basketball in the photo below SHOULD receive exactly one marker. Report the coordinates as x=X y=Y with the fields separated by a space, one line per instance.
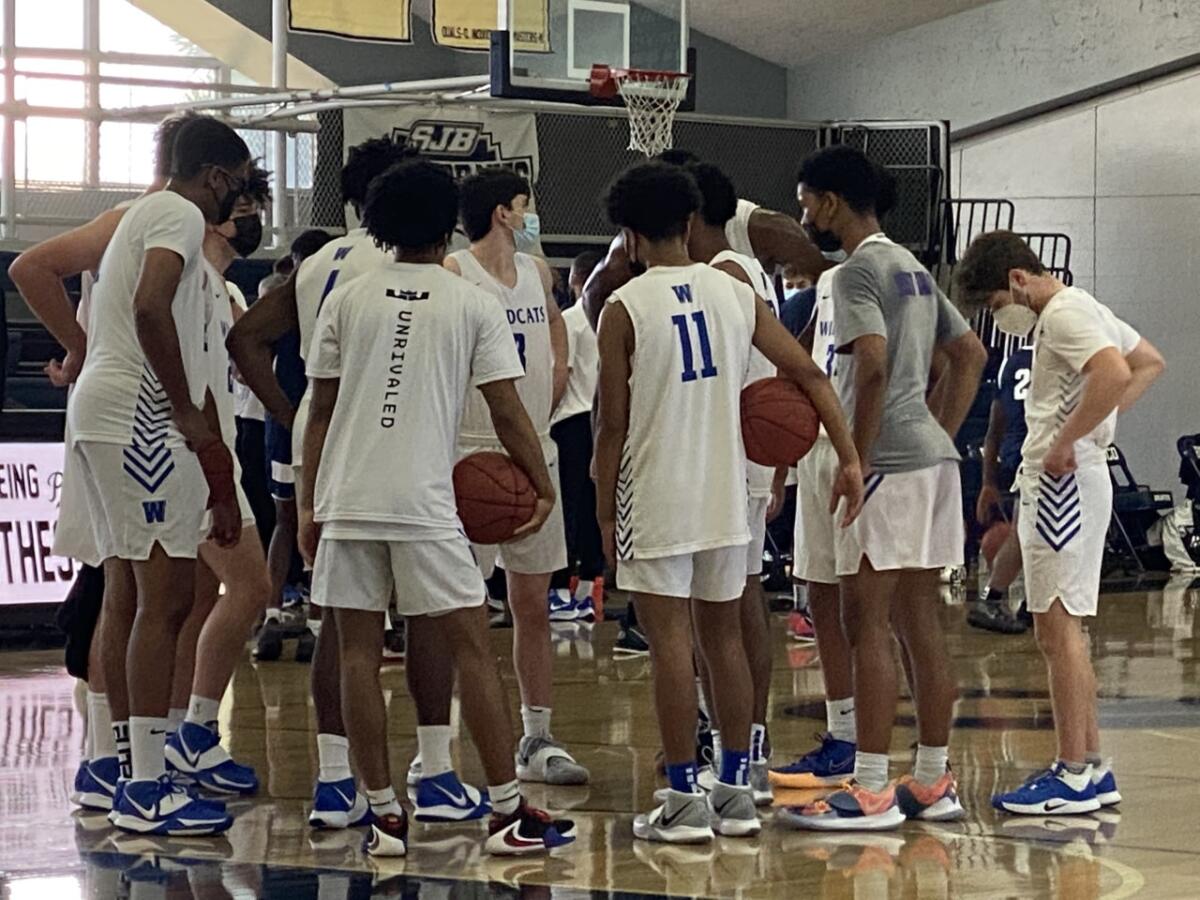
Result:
x=779 y=423
x=993 y=540
x=494 y=495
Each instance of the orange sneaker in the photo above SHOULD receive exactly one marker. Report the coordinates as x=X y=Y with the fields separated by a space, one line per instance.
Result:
x=853 y=808
x=937 y=802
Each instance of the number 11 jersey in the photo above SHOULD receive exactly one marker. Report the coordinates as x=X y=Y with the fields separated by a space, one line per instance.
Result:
x=681 y=487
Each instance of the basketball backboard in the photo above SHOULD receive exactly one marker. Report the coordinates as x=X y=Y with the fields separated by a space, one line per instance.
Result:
x=547 y=48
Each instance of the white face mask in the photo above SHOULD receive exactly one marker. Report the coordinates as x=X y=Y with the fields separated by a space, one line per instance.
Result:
x=1015 y=319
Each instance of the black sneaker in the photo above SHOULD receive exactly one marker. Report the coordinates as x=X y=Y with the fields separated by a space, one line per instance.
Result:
x=393 y=644
x=268 y=643
x=528 y=830
x=995 y=619
x=630 y=643
x=1024 y=615
x=306 y=646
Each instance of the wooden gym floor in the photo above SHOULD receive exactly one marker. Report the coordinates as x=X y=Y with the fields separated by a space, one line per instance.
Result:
x=1144 y=642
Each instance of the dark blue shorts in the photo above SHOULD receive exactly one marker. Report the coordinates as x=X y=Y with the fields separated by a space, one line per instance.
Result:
x=279 y=461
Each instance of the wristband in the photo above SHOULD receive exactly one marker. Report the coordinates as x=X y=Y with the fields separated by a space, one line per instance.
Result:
x=217 y=465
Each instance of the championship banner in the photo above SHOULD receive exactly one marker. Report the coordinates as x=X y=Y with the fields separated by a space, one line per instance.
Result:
x=468 y=24
x=30 y=492
x=371 y=20
x=463 y=140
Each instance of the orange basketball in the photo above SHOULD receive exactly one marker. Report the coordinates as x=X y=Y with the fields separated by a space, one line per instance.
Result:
x=993 y=540
x=779 y=423
x=494 y=495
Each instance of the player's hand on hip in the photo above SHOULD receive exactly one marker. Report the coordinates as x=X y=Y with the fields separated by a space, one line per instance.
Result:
x=65 y=373
x=226 y=528
x=989 y=498
x=541 y=512
x=308 y=536
x=848 y=486
x=1060 y=460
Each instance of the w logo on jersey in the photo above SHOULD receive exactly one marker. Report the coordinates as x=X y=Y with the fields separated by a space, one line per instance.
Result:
x=155 y=510
x=683 y=292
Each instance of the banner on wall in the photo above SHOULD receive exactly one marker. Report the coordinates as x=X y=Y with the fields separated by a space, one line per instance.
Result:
x=371 y=20
x=468 y=24
x=30 y=493
x=463 y=140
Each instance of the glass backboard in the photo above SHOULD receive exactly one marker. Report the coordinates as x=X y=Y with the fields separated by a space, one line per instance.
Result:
x=548 y=47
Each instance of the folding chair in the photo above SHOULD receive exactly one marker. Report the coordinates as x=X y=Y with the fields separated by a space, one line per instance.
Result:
x=1136 y=508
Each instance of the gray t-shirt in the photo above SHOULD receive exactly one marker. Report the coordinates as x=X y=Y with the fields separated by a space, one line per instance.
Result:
x=882 y=289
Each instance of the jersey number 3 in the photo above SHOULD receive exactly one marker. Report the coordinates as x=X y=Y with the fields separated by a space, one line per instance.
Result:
x=708 y=370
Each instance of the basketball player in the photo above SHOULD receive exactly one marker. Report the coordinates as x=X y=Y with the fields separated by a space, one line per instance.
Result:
x=773 y=238
x=675 y=348
x=708 y=243
x=1087 y=366
x=151 y=456
x=39 y=273
x=493 y=206
x=889 y=317
x=1001 y=461
x=571 y=429
x=428 y=671
x=393 y=357
x=214 y=635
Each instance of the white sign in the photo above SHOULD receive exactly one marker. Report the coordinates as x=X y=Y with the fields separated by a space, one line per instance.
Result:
x=464 y=140
x=30 y=491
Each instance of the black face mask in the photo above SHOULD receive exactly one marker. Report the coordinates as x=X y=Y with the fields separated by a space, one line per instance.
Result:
x=825 y=241
x=249 y=234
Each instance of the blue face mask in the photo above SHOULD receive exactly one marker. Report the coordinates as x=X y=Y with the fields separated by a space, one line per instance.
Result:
x=527 y=237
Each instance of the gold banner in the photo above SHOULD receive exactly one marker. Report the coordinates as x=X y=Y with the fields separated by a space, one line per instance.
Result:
x=467 y=24
x=373 y=20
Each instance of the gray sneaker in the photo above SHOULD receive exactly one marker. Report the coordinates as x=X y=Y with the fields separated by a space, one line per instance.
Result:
x=732 y=809
x=760 y=784
x=544 y=760
x=682 y=819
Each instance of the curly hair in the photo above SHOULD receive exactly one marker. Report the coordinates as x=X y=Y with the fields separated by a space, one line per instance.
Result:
x=413 y=205
x=654 y=199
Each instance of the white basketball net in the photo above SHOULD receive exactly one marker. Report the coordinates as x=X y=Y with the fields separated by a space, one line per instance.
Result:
x=652 y=100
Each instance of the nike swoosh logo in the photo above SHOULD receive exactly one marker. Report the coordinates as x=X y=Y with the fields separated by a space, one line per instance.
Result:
x=668 y=820
x=349 y=801
x=724 y=806
x=458 y=799
x=515 y=840
x=158 y=731
x=1059 y=805
x=846 y=712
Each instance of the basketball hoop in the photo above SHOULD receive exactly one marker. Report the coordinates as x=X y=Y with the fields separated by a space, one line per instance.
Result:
x=652 y=99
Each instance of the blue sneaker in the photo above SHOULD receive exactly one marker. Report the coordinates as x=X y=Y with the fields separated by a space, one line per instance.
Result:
x=338 y=804
x=829 y=764
x=446 y=799
x=162 y=807
x=562 y=609
x=96 y=782
x=585 y=609
x=195 y=751
x=1105 y=784
x=1046 y=792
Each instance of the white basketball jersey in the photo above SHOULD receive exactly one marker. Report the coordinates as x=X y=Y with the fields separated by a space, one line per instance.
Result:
x=737 y=229
x=525 y=307
x=824 y=351
x=682 y=482
x=760 y=477
x=339 y=261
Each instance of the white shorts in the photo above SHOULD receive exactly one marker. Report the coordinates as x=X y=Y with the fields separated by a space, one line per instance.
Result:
x=757 y=514
x=299 y=423
x=814 y=557
x=73 y=537
x=542 y=552
x=910 y=520
x=137 y=498
x=1062 y=528
x=426 y=578
x=716 y=575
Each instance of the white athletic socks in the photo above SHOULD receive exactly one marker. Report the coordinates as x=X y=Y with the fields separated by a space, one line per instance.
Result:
x=120 y=732
x=583 y=590
x=433 y=743
x=536 y=720
x=383 y=802
x=505 y=797
x=202 y=710
x=175 y=717
x=840 y=720
x=701 y=703
x=758 y=743
x=931 y=764
x=147 y=740
x=100 y=727
x=1076 y=775
x=871 y=770
x=564 y=594
x=333 y=757
x=716 y=736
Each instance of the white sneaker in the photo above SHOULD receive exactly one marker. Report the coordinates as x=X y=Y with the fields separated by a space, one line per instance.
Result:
x=681 y=819
x=543 y=760
x=414 y=772
x=733 y=813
